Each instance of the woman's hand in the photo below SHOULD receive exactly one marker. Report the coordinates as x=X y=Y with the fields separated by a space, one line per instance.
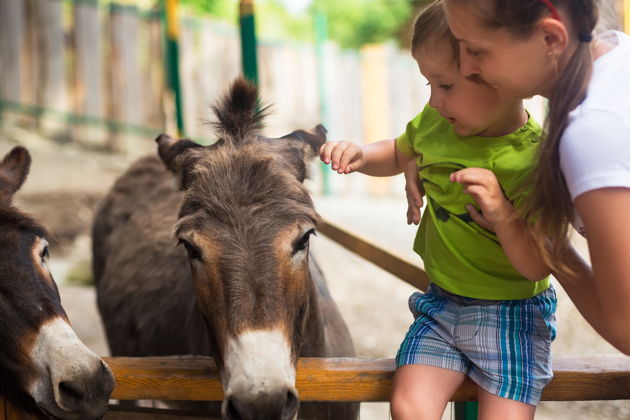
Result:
x=414 y=192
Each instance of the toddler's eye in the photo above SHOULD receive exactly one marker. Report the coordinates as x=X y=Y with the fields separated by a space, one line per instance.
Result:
x=473 y=53
x=445 y=87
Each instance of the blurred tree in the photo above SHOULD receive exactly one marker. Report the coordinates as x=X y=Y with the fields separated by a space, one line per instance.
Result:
x=351 y=23
x=405 y=31
x=222 y=9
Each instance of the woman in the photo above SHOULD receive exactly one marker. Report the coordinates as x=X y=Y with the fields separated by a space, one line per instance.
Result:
x=545 y=47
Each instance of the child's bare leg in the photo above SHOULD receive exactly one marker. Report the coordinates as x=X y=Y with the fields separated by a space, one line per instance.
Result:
x=421 y=392
x=492 y=407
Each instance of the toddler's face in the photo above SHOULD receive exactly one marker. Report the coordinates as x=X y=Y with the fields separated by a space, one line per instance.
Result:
x=471 y=106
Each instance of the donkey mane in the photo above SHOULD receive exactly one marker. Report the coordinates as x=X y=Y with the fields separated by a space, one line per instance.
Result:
x=242 y=172
x=239 y=113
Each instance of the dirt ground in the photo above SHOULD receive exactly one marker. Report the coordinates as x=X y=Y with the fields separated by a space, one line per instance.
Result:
x=66 y=183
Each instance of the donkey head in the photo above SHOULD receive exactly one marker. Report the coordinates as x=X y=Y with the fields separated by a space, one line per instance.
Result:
x=245 y=221
x=41 y=358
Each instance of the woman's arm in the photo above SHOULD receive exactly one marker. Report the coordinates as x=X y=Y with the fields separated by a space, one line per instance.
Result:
x=519 y=246
x=603 y=294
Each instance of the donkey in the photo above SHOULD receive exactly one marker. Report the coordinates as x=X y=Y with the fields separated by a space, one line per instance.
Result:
x=44 y=368
x=242 y=286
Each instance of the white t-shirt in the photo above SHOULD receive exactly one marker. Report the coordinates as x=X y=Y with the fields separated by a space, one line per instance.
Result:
x=595 y=146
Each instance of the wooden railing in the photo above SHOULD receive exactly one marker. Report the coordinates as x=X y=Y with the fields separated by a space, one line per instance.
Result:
x=576 y=377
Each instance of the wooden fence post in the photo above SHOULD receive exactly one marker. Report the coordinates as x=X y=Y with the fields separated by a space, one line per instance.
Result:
x=88 y=74
x=124 y=104
x=154 y=83
x=9 y=412
x=11 y=40
x=376 y=89
x=51 y=86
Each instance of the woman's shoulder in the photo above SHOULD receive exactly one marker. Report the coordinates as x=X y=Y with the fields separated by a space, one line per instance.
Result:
x=595 y=145
x=595 y=150
x=607 y=98
x=610 y=81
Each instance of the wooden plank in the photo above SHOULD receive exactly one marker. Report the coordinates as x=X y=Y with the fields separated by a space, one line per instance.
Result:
x=88 y=74
x=390 y=262
x=577 y=378
x=154 y=70
x=376 y=85
x=51 y=86
x=8 y=411
x=29 y=67
x=125 y=104
x=11 y=40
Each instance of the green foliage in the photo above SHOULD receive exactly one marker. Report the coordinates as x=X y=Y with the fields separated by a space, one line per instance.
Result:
x=274 y=22
x=222 y=9
x=351 y=23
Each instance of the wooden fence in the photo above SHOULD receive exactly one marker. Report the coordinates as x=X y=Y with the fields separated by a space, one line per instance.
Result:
x=195 y=378
x=93 y=73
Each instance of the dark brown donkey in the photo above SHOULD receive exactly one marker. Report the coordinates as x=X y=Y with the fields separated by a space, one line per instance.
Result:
x=42 y=362
x=242 y=286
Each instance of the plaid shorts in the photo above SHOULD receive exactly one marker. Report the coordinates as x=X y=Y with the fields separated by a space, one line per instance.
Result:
x=503 y=346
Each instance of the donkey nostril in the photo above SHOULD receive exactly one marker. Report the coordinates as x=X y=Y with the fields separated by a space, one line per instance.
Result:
x=291 y=405
x=70 y=391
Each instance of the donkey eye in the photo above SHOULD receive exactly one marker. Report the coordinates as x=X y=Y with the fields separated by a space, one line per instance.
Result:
x=44 y=254
x=302 y=243
x=193 y=251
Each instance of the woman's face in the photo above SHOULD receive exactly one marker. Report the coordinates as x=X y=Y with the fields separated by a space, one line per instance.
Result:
x=518 y=67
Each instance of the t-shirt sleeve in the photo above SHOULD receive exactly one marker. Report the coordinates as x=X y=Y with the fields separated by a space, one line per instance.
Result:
x=404 y=142
x=595 y=152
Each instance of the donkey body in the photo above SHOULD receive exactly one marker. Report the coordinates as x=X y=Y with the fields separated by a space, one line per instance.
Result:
x=241 y=286
x=44 y=367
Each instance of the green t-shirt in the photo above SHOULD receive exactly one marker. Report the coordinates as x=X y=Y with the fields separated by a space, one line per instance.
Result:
x=459 y=255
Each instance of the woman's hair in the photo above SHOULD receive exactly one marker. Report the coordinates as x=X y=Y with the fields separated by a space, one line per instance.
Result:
x=430 y=30
x=549 y=207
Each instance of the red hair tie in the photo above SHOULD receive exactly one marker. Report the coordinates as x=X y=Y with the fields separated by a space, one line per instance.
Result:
x=552 y=9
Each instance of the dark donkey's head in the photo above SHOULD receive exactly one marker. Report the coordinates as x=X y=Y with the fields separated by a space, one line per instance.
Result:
x=245 y=221
x=42 y=362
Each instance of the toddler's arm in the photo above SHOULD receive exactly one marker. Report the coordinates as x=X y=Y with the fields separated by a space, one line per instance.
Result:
x=377 y=159
x=510 y=227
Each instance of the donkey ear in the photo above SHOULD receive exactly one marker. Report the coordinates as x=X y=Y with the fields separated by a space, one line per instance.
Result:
x=176 y=155
x=13 y=171
x=311 y=139
x=300 y=147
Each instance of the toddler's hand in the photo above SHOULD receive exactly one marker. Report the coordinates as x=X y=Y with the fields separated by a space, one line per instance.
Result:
x=482 y=185
x=414 y=192
x=343 y=156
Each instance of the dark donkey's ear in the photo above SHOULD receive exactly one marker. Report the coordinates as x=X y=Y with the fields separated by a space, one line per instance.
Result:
x=177 y=155
x=304 y=146
x=13 y=171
